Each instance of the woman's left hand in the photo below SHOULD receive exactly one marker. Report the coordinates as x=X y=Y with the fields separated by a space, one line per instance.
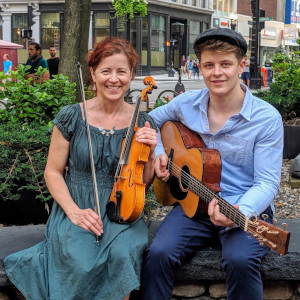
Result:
x=147 y=135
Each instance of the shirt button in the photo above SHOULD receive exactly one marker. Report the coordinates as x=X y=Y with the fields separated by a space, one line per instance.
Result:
x=212 y=139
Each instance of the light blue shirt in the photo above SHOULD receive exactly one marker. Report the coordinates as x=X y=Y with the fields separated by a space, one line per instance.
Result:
x=250 y=144
x=6 y=65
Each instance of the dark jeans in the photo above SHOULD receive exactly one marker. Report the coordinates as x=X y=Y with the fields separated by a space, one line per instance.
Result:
x=180 y=237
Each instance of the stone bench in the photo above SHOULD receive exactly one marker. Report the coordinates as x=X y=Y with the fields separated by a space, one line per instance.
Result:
x=201 y=276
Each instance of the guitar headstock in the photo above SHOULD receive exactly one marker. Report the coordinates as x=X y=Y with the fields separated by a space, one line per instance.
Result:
x=270 y=235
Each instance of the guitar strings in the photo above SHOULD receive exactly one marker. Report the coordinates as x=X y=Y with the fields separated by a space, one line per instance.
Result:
x=188 y=179
x=242 y=218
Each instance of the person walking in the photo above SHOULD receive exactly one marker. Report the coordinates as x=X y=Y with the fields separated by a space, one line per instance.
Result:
x=183 y=65
x=248 y=133
x=7 y=64
x=53 y=61
x=196 y=69
x=190 y=67
x=246 y=74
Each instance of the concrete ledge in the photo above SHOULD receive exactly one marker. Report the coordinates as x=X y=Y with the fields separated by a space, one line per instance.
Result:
x=205 y=265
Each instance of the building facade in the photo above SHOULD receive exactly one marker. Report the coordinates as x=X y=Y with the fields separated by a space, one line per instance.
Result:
x=152 y=35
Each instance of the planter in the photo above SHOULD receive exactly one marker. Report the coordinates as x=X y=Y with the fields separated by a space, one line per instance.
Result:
x=291 y=141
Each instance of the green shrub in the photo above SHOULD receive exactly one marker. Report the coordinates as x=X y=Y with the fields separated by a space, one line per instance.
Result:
x=284 y=92
x=38 y=103
x=23 y=155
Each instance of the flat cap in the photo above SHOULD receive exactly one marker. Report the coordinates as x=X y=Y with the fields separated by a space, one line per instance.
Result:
x=222 y=34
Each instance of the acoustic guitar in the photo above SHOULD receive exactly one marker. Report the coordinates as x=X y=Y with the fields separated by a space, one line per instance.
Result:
x=195 y=173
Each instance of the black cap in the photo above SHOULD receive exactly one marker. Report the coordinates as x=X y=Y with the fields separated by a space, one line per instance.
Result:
x=222 y=34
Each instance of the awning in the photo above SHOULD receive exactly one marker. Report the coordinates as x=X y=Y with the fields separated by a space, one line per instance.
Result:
x=9 y=45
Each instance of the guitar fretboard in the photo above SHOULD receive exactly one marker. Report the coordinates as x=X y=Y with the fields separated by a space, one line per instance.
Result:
x=206 y=194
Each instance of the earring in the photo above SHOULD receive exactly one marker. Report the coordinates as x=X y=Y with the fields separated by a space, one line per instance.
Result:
x=94 y=87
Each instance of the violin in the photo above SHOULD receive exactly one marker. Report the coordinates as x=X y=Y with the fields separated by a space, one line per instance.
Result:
x=126 y=202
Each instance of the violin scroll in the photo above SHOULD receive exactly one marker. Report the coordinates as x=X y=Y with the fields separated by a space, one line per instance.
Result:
x=150 y=81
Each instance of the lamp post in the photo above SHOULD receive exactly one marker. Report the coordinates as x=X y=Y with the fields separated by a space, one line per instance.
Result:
x=178 y=31
x=233 y=20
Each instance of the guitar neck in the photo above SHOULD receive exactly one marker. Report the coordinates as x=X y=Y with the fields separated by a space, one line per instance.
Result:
x=206 y=194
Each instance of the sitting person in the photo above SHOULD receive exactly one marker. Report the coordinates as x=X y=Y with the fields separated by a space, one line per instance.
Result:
x=69 y=264
x=248 y=133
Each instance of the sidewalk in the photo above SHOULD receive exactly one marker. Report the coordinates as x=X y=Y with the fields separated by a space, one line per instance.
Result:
x=184 y=79
x=164 y=77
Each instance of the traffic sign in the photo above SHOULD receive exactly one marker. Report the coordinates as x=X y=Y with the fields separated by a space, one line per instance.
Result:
x=263 y=19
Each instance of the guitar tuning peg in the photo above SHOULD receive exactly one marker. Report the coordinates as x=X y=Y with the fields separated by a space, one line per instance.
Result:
x=285 y=226
x=274 y=221
x=265 y=216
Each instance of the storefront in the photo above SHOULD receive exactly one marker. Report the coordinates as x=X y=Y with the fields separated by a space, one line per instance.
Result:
x=149 y=35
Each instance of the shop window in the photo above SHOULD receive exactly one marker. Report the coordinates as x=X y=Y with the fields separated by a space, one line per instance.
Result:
x=50 y=27
x=1 y=22
x=158 y=38
x=133 y=33
x=194 y=32
x=144 y=41
x=19 y=21
x=204 y=26
x=102 y=25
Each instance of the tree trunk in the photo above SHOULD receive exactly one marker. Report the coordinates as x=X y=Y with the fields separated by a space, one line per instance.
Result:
x=75 y=39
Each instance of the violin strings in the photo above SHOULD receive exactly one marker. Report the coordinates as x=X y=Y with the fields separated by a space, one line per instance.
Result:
x=128 y=139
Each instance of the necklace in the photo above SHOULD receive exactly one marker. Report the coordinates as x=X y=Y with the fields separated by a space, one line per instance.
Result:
x=112 y=130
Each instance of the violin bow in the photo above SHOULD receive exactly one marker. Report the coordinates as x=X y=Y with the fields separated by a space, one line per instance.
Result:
x=95 y=189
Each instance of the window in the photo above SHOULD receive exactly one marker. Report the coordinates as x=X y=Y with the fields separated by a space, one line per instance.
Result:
x=223 y=7
x=50 y=24
x=144 y=41
x=202 y=3
x=158 y=38
x=194 y=32
x=19 y=21
x=102 y=25
x=1 y=28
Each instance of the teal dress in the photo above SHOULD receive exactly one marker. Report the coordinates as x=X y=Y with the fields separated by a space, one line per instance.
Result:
x=69 y=264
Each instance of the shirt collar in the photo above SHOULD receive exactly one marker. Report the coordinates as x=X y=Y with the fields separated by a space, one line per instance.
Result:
x=247 y=104
x=245 y=112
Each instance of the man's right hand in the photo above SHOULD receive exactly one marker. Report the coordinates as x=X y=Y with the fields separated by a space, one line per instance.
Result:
x=160 y=165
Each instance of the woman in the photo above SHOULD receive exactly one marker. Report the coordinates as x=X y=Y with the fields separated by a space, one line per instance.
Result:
x=69 y=264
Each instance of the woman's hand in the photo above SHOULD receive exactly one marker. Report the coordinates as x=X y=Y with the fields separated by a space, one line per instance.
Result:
x=216 y=216
x=88 y=220
x=148 y=136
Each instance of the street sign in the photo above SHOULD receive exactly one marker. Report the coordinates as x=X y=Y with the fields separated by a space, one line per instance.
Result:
x=250 y=22
x=263 y=19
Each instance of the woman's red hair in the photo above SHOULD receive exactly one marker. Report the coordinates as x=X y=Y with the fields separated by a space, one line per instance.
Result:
x=110 y=46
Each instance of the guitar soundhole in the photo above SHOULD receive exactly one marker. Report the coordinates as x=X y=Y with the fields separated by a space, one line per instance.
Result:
x=179 y=186
x=184 y=178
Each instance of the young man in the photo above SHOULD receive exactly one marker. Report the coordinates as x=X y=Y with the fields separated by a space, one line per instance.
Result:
x=248 y=134
x=246 y=74
x=35 y=60
x=53 y=62
x=7 y=64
